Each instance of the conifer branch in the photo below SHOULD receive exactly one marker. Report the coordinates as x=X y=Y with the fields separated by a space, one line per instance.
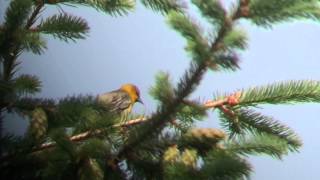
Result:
x=12 y=51
x=88 y=134
x=224 y=165
x=282 y=93
x=64 y=27
x=230 y=100
x=186 y=85
x=258 y=144
x=27 y=84
x=88 y=149
x=163 y=6
x=267 y=13
x=33 y=42
x=112 y=7
x=259 y=124
x=246 y=120
x=34 y=14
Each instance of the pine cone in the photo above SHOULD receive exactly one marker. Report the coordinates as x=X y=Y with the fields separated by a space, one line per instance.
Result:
x=203 y=139
x=189 y=158
x=210 y=134
x=172 y=154
x=38 y=124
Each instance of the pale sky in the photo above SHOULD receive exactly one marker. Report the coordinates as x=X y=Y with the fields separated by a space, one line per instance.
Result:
x=135 y=47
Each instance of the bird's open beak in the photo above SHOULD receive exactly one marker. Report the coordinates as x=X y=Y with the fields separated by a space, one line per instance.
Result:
x=139 y=100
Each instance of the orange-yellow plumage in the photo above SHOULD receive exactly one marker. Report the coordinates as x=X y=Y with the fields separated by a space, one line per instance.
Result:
x=121 y=100
x=132 y=91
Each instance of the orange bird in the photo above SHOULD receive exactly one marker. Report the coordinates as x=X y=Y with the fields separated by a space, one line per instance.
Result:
x=121 y=100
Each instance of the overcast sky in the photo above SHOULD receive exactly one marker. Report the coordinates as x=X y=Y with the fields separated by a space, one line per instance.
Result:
x=135 y=47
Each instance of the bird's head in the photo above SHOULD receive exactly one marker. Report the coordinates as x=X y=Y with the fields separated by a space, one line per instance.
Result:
x=133 y=92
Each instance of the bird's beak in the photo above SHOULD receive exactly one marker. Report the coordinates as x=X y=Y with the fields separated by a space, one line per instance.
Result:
x=139 y=100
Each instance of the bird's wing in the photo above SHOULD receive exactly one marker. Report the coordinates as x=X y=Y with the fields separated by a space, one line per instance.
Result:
x=116 y=101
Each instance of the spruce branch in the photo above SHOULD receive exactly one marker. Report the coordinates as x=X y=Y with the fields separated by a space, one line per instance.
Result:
x=258 y=144
x=90 y=134
x=65 y=27
x=10 y=50
x=5 y=87
x=188 y=112
x=212 y=10
x=235 y=39
x=187 y=84
x=27 y=84
x=16 y=15
x=163 y=89
x=29 y=104
x=112 y=7
x=33 y=42
x=254 y=121
x=164 y=114
x=130 y=123
x=267 y=13
x=16 y=18
x=225 y=61
x=164 y=6
x=223 y=165
x=197 y=45
x=282 y=93
x=219 y=163
x=246 y=120
x=37 y=10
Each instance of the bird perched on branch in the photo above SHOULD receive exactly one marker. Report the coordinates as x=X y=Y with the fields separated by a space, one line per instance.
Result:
x=121 y=100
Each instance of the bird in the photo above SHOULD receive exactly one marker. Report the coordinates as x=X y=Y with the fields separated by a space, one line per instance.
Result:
x=121 y=101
